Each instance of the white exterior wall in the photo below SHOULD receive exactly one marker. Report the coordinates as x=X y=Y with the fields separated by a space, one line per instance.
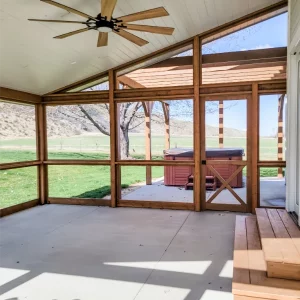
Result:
x=293 y=109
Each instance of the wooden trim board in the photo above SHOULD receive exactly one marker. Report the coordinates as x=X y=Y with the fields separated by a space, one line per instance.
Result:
x=80 y=201
x=18 y=96
x=18 y=207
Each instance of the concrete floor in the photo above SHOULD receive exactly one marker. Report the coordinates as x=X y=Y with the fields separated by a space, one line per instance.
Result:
x=272 y=193
x=86 y=253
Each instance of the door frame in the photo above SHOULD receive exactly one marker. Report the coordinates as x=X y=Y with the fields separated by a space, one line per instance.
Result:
x=247 y=163
x=297 y=198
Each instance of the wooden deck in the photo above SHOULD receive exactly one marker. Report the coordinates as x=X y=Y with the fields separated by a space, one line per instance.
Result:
x=280 y=243
x=250 y=280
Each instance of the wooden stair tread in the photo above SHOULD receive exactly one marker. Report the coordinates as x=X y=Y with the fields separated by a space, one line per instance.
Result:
x=277 y=244
x=250 y=279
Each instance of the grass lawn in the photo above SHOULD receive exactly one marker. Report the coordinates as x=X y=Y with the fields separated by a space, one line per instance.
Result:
x=20 y=185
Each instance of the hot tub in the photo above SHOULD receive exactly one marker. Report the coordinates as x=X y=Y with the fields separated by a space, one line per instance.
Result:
x=177 y=175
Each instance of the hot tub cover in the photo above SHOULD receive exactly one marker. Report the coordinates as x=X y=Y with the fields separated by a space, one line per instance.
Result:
x=210 y=152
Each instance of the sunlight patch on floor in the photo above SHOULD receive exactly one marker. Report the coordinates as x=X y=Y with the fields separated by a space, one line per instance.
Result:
x=190 y=267
x=7 y=275
x=49 y=286
x=227 y=270
x=216 y=295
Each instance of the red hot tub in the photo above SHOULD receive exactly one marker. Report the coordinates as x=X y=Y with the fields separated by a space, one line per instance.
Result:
x=177 y=175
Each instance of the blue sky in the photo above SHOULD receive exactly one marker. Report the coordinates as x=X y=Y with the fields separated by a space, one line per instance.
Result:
x=268 y=34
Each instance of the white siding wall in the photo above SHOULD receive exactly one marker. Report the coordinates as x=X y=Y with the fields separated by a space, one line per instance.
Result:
x=294 y=17
x=293 y=112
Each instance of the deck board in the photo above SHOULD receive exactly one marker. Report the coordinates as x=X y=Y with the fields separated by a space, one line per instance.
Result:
x=260 y=286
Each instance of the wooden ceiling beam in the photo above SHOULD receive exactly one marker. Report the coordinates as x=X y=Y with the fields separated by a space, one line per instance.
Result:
x=18 y=96
x=237 y=57
x=130 y=82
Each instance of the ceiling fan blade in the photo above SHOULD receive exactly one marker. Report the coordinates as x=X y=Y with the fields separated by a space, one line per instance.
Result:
x=102 y=39
x=69 y=9
x=107 y=8
x=152 y=29
x=131 y=37
x=146 y=14
x=62 y=36
x=56 y=21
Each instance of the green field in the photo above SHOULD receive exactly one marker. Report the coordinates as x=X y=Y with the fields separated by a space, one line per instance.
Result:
x=95 y=144
x=20 y=185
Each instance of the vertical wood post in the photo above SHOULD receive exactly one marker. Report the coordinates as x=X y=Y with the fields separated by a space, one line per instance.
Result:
x=148 y=109
x=253 y=150
x=115 y=184
x=280 y=133
x=42 y=151
x=197 y=81
x=221 y=124
x=166 y=108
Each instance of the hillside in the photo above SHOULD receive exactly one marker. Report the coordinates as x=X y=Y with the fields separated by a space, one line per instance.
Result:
x=19 y=121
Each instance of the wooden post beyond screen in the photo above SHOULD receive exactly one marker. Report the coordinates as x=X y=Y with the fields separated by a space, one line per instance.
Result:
x=148 y=109
x=280 y=133
x=166 y=108
x=221 y=124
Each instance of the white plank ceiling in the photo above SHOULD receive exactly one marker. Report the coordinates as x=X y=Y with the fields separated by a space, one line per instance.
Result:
x=32 y=61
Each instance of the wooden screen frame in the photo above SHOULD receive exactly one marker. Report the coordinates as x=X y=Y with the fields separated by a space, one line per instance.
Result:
x=19 y=98
x=249 y=138
x=264 y=163
x=197 y=91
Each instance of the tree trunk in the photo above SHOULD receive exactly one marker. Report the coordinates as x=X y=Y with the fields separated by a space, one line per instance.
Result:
x=124 y=143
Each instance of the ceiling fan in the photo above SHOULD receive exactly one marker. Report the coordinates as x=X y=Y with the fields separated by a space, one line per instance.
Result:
x=105 y=23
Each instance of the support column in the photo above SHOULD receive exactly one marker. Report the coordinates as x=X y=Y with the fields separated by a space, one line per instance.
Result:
x=221 y=124
x=252 y=150
x=115 y=184
x=166 y=110
x=42 y=151
x=280 y=133
x=148 y=109
x=197 y=68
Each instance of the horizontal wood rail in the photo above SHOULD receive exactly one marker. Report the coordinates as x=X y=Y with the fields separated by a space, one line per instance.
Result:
x=21 y=164
x=230 y=207
x=155 y=163
x=241 y=89
x=271 y=207
x=155 y=204
x=80 y=201
x=226 y=162
x=18 y=207
x=271 y=164
x=88 y=162
x=78 y=97
x=18 y=96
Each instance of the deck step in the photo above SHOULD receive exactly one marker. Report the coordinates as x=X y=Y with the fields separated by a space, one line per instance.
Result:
x=250 y=280
x=211 y=182
x=280 y=238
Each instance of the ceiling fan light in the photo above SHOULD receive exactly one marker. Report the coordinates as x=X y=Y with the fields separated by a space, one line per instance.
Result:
x=104 y=29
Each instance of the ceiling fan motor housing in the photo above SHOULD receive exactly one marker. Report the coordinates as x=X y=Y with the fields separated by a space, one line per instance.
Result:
x=102 y=24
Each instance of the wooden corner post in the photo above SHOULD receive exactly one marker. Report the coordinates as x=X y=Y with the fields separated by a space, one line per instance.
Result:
x=42 y=151
x=197 y=80
x=253 y=123
x=113 y=139
x=148 y=109
x=280 y=133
